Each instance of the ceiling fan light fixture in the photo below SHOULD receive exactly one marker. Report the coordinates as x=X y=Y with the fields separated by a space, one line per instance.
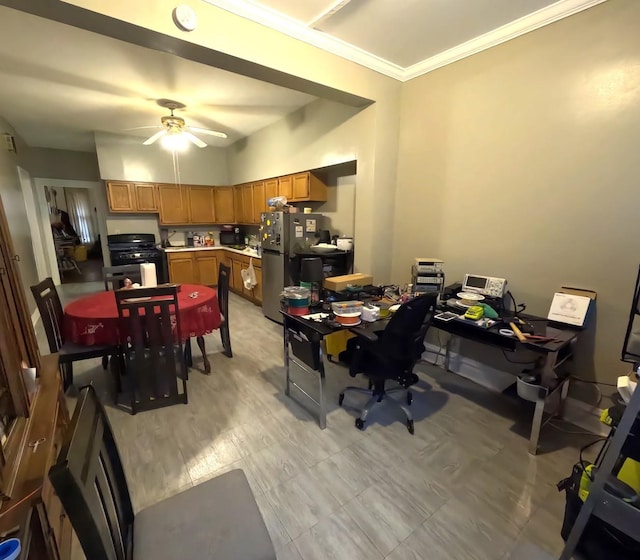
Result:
x=175 y=141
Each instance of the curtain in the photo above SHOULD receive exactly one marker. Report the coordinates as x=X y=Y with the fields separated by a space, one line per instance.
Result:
x=79 y=209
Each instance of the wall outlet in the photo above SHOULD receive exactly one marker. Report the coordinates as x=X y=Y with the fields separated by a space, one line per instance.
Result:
x=9 y=142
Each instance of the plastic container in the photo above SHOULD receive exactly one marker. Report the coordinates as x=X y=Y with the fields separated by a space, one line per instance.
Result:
x=297 y=298
x=529 y=389
x=347 y=312
x=10 y=549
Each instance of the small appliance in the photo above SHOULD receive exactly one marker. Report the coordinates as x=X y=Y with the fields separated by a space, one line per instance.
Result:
x=231 y=235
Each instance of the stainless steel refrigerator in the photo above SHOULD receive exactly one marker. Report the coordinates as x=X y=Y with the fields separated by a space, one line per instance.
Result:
x=281 y=236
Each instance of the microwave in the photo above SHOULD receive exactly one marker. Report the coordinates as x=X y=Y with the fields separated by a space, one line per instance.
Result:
x=232 y=237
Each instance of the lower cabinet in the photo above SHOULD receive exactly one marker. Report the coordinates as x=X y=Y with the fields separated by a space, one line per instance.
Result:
x=201 y=267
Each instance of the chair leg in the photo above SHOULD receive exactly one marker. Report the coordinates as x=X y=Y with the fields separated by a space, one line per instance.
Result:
x=67 y=375
x=226 y=339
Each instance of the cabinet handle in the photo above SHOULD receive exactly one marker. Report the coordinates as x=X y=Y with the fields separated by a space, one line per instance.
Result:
x=16 y=258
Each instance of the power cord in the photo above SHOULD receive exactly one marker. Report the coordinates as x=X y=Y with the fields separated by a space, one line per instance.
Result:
x=521 y=306
x=524 y=362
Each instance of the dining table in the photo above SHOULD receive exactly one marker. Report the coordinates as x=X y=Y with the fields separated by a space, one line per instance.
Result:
x=93 y=320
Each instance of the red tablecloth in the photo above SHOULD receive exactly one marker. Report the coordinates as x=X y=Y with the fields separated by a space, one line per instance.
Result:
x=93 y=320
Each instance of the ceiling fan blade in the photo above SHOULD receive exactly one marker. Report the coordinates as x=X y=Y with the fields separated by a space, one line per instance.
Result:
x=143 y=127
x=209 y=132
x=194 y=139
x=157 y=135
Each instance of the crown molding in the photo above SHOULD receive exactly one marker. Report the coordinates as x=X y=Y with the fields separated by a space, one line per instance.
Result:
x=531 y=22
x=293 y=28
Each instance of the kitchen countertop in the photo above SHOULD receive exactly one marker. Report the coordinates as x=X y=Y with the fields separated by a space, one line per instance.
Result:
x=246 y=252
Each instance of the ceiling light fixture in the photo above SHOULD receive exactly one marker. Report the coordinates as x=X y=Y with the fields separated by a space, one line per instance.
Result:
x=175 y=141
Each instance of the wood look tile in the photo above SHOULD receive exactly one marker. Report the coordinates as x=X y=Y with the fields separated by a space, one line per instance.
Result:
x=300 y=503
x=386 y=514
x=288 y=552
x=274 y=465
x=279 y=536
x=337 y=537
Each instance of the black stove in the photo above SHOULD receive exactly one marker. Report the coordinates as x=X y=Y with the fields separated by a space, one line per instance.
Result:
x=137 y=248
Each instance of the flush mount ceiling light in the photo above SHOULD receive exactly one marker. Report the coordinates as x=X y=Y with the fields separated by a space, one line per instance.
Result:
x=174 y=132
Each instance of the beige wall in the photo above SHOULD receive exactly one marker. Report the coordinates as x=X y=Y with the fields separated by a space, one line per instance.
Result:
x=63 y=164
x=522 y=162
x=125 y=158
x=16 y=211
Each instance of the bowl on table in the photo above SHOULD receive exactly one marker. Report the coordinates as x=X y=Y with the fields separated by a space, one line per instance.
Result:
x=323 y=248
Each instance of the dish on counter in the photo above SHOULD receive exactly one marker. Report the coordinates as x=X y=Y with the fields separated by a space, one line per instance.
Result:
x=323 y=248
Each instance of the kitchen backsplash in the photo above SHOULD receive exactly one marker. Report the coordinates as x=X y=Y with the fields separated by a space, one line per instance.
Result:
x=180 y=235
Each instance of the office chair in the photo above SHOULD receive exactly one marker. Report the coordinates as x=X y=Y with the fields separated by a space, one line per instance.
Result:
x=390 y=355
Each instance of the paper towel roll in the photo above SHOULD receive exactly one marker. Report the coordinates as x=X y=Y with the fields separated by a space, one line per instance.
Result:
x=148 y=275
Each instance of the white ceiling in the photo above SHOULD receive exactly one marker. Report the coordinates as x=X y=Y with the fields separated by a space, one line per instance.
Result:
x=59 y=84
x=404 y=38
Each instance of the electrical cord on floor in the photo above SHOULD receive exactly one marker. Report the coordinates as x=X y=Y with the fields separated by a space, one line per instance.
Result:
x=437 y=353
x=581 y=380
x=586 y=413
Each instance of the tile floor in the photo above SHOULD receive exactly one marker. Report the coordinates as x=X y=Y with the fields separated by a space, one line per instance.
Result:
x=462 y=487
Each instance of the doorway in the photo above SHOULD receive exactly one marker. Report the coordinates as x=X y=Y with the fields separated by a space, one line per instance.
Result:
x=72 y=214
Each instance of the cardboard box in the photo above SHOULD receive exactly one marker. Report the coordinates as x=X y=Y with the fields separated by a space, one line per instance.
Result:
x=340 y=283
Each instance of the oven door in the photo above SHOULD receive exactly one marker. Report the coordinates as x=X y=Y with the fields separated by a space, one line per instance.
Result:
x=159 y=261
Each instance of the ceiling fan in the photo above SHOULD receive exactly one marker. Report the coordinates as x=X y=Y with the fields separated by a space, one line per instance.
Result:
x=175 y=134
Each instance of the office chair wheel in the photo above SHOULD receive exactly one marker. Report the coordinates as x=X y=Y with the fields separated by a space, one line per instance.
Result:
x=340 y=399
x=410 y=426
x=409 y=397
x=359 y=424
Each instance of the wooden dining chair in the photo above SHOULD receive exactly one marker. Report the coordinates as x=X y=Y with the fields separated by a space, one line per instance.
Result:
x=154 y=369
x=216 y=520
x=114 y=276
x=50 y=308
x=223 y=301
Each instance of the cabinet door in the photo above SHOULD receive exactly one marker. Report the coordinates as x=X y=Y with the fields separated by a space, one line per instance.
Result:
x=247 y=204
x=270 y=188
x=146 y=200
x=285 y=187
x=257 y=289
x=223 y=202
x=173 y=208
x=259 y=201
x=236 y=276
x=182 y=268
x=301 y=186
x=121 y=198
x=207 y=268
x=237 y=204
x=200 y=205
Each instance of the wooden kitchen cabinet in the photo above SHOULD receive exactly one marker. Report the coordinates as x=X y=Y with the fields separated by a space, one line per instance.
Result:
x=172 y=205
x=236 y=275
x=238 y=204
x=270 y=188
x=206 y=267
x=121 y=197
x=201 y=204
x=146 y=197
x=285 y=186
x=182 y=267
x=223 y=202
x=259 y=201
x=308 y=187
x=257 y=289
x=247 y=204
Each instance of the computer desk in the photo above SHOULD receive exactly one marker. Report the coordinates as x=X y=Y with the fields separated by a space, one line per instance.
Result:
x=306 y=339
x=551 y=356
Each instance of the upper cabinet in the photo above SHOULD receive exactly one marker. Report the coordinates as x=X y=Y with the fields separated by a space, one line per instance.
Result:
x=223 y=202
x=173 y=205
x=307 y=186
x=259 y=200
x=247 y=204
x=132 y=197
x=285 y=186
x=238 y=204
x=200 y=200
x=270 y=188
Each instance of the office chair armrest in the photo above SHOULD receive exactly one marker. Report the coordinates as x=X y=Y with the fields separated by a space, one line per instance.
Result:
x=365 y=333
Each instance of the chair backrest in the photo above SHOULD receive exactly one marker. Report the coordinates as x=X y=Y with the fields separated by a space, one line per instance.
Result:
x=115 y=275
x=223 y=290
x=50 y=309
x=149 y=328
x=89 y=480
x=402 y=339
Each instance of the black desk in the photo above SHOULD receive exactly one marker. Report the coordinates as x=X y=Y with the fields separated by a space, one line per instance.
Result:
x=304 y=346
x=551 y=355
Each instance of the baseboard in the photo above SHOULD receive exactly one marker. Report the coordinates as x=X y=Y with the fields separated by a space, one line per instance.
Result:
x=577 y=412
